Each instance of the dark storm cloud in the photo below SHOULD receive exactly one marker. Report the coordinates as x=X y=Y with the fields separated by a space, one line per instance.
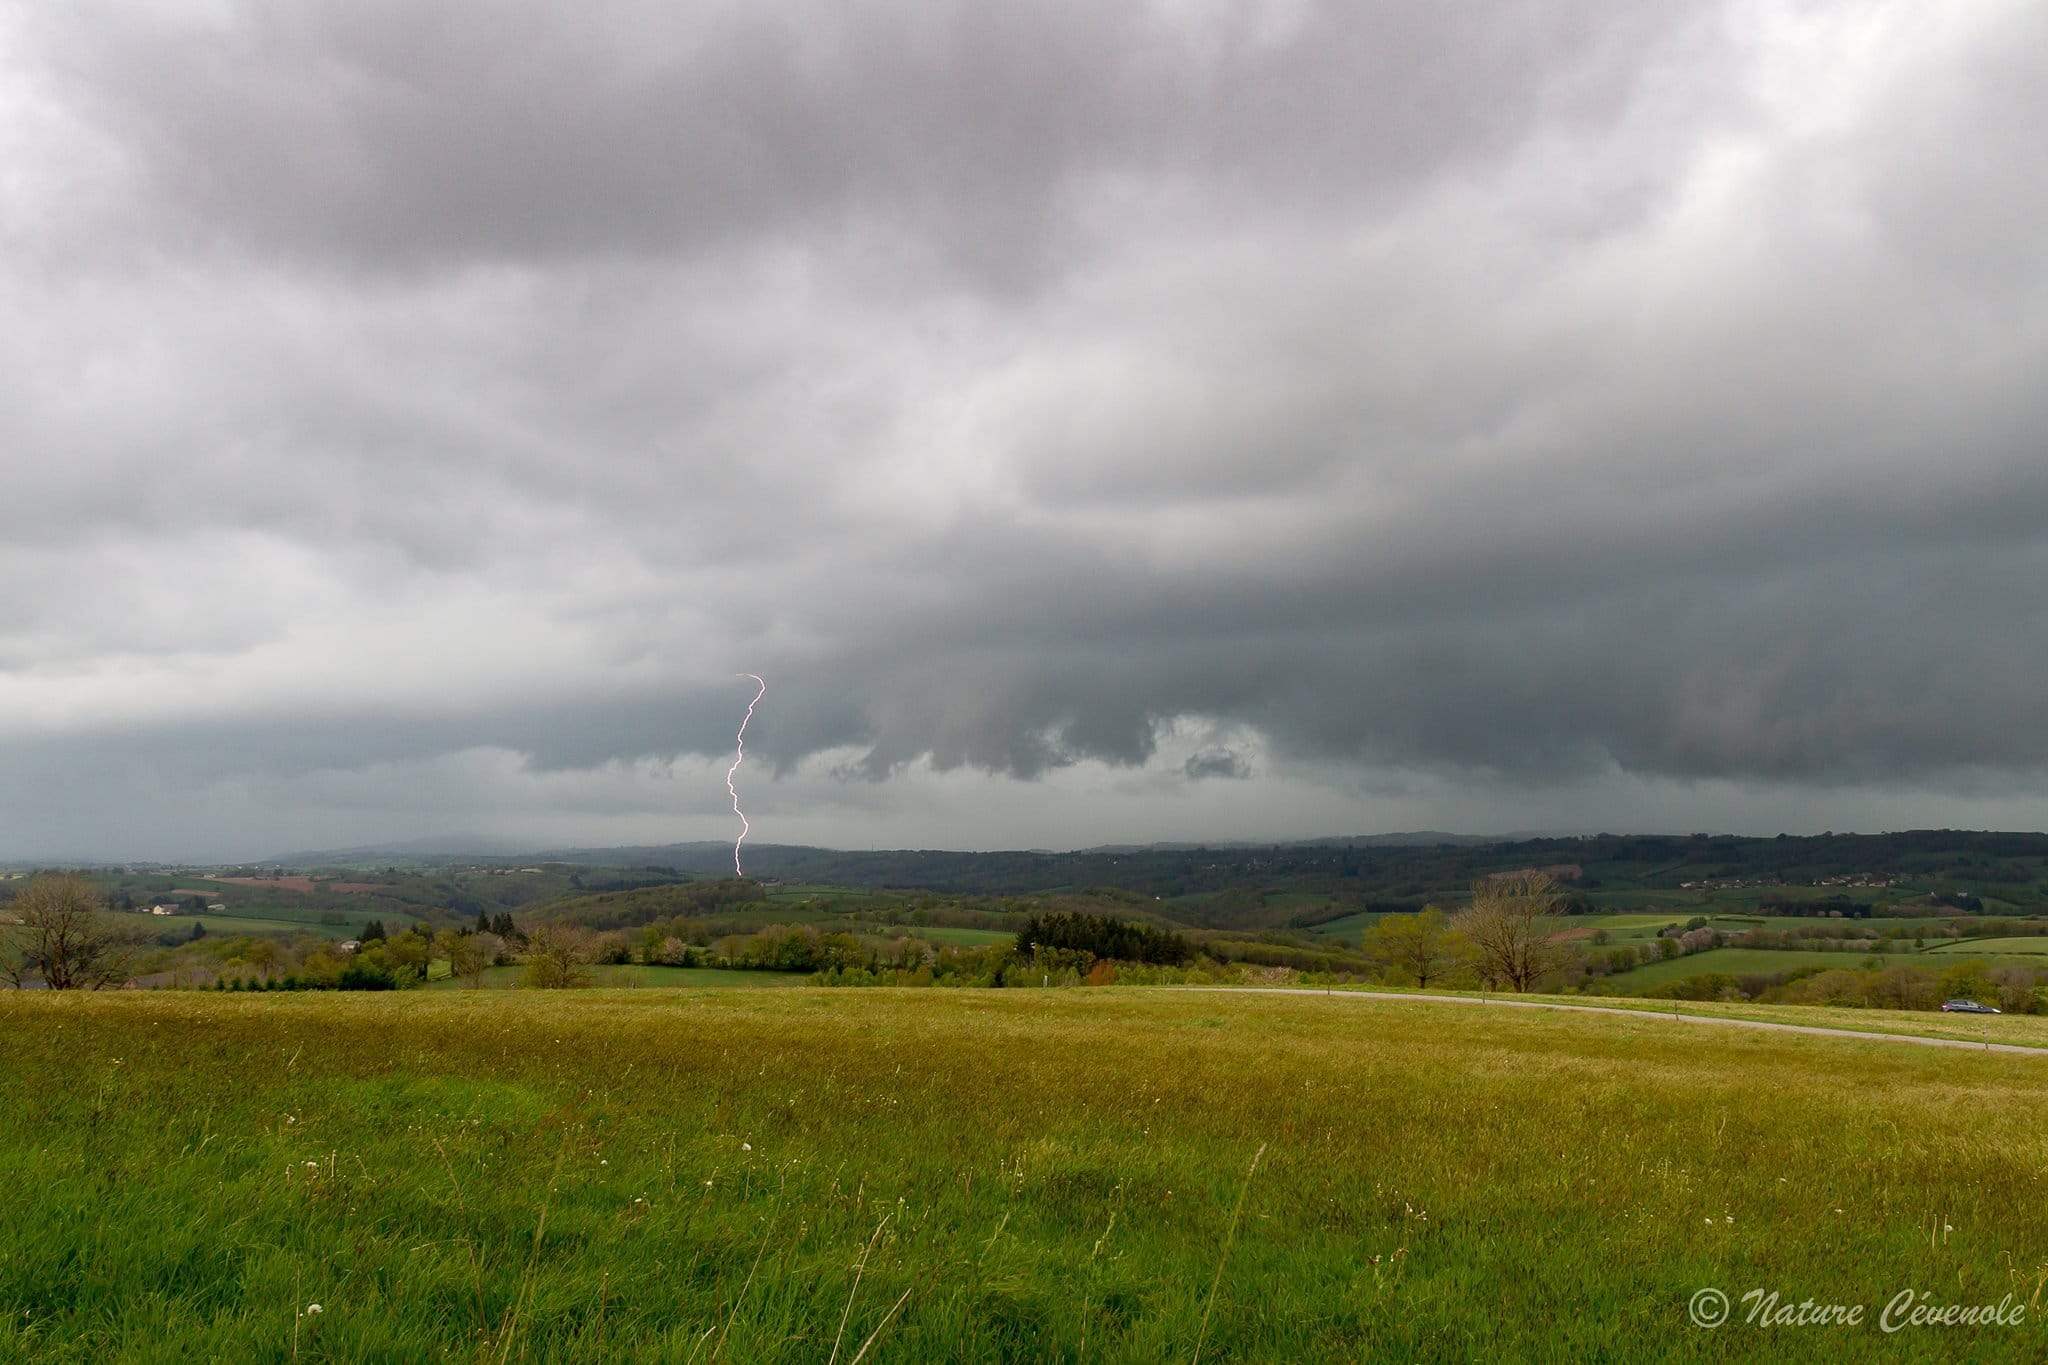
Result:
x=1217 y=763
x=1466 y=390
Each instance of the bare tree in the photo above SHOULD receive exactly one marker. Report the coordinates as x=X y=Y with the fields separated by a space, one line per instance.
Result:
x=64 y=937
x=1509 y=924
x=556 y=955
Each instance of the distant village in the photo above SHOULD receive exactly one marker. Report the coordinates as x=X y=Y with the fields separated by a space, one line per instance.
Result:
x=171 y=905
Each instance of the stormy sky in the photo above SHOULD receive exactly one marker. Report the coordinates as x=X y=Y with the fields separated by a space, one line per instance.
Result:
x=1168 y=420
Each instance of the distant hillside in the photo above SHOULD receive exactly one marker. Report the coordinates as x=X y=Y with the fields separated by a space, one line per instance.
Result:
x=436 y=847
x=1375 y=872
x=1426 y=838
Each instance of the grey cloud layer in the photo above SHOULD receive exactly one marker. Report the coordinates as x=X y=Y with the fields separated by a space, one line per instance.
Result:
x=387 y=134
x=1459 y=388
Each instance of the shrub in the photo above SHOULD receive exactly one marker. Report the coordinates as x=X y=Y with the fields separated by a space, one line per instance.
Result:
x=359 y=977
x=555 y=958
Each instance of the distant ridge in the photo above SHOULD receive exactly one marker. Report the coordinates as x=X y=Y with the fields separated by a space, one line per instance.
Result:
x=1425 y=838
x=483 y=846
x=434 y=846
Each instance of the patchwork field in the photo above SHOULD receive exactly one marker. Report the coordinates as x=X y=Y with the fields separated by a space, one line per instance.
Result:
x=919 y=1175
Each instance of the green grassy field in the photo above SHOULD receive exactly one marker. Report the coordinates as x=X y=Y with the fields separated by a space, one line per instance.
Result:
x=936 y=934
x=1738 y=960
x=1031 y=1175
x=1735 y=961
x=1625 y=927
x=1346 y=926
x=1637 y=926
x=1993 y=947
x=630 y=975
x=806 y=892
x=245 y=924
x=2020 y=1030
x=1668 y=903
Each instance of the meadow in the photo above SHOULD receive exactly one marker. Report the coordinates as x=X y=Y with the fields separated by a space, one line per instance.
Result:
x=1735 y=960
x=247 y=924
x=990 y=1175
x=2015 y=1030
x=2029 y=946
x=626 y=976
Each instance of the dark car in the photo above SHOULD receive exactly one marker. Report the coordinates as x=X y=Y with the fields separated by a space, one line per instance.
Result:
x=1965 y=1007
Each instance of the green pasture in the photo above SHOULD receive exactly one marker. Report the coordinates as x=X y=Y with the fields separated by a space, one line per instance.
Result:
x=904 y=1175
x=1348 y=926
x=932 y=933
x=2028 y=947
x=630 y=975
x=1735 y=961
x=245 y=924
x=796 y=892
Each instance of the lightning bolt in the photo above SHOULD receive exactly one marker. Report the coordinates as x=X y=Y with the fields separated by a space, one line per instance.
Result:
x=740 y=756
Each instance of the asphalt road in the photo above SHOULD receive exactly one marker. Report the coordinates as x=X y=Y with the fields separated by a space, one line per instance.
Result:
x=1503 y=1003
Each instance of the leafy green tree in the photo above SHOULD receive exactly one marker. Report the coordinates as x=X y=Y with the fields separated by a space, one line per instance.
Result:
x=1969 y=980
x=1421 y=947
x=411 y=953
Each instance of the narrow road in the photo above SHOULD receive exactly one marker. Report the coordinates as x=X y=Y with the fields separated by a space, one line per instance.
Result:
x=1815 y=1029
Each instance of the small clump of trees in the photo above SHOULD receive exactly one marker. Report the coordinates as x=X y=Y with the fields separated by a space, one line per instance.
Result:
x=1103 y=936
x=1506 y=939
